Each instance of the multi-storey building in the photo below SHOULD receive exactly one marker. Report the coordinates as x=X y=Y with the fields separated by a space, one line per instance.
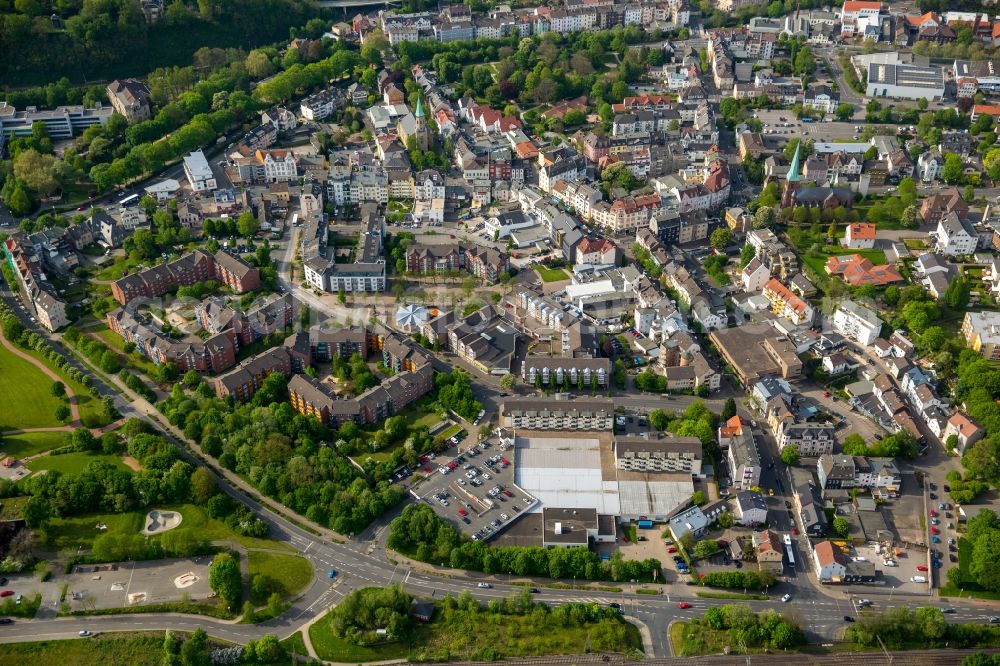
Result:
x=982 y=333
x=536 y=414
x=666 y=454
x=554 y=372
x=197 y=266
x=857 y=322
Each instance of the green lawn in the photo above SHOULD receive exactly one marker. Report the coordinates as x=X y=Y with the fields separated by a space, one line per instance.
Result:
x=117 y=269
x=295 y=644
x=968 y=589
x=551 y=274
x=79 y=532
x=331 y=648
x=27 y=398
x=32 y=443
x=104 y=649
x=72 y=463
x=288 y=574
x=10 y=507
x=91 y=409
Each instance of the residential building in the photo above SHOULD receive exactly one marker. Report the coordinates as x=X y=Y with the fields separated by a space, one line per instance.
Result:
x=955 y=236
x=744 y=460
x=574 y=373
x=859 y=236
x=786 y=304
x=856 y=322
x=129 y=98
x=196 y=266
x=982 y=333
x=198 y=172
x=751 y=508
x=964 y=429
x=663 y=454
x=63 y=122
x=812 y=439
x=691 y=521
x=536 y=414
x=243 y=381
x=856 y=271
x=754 y=275
x=827 y=561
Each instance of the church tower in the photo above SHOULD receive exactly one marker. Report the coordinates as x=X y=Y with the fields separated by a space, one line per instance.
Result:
x=788 y=196
x=423 y=133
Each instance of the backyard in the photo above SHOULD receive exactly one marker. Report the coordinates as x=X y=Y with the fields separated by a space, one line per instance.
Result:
x=817 y=260
x=551 y=274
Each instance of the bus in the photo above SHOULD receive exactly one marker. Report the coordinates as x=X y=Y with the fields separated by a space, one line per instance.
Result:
x=788 y=549
x=129 y=200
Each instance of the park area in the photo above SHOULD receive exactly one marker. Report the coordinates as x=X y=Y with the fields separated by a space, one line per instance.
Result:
x=28 y=398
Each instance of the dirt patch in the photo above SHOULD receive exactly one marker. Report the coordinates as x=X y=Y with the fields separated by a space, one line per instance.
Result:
x=132 y=463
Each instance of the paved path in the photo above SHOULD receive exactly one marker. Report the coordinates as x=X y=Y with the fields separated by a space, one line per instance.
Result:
x=73 y=409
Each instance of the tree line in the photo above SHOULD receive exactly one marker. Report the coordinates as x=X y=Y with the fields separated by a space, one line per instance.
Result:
x=419 y=533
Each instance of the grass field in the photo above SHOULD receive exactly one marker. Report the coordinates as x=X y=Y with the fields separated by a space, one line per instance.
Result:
x=551 y=274
x=79 y=532
x=108 y=650
x=32 y=443
x=10 y=507
x=331 y=648
x=72 y=463
x=288 y=574
x=28 y=400
x=90 y=407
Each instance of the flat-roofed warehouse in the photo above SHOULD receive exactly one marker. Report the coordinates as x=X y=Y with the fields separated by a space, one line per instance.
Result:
x=757 y=350
x=905 y=81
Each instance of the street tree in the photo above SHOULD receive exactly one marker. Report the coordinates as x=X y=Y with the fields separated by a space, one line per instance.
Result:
x=790 y=454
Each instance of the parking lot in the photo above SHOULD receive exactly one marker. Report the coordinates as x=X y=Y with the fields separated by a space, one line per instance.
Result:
x=476 y=491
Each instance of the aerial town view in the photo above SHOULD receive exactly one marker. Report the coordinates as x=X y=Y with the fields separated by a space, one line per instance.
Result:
x=528 y=331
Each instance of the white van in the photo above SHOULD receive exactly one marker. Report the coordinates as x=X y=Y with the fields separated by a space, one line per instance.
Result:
x=918 y=579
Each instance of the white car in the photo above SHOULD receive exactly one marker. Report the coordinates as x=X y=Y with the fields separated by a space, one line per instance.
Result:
x=484 y=585
x=786 y=598
x=84 y=633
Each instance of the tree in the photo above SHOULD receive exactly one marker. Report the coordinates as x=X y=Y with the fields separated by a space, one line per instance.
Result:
x=764 y=218
x=247 y=225
x=706 y=548
x=35 y=170
x=953 y=169
x=992 y=164
x=202 y=486
x=62 y=413
x=698 y=498
x=258 y=64
x=225 y=579
x=507 y=382
x=844 y=112
x=728 y=410
x=722 y=238
x=842 y=526
x=746 y=255
x=790 y=454
x=58 y=389
x=910 y=218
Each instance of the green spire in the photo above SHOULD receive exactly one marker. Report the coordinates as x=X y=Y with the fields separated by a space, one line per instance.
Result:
x=793 y=171
x=420 y=107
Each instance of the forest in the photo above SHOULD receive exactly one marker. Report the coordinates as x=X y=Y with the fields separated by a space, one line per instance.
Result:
x=105 y=39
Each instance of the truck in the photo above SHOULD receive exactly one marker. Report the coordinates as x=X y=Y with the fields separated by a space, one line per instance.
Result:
x=645 y=524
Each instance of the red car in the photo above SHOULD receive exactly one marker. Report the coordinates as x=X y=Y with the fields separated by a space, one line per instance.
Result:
x=6 y=593
x=935 y=530
x=795 y=531
x=684 y=604
x=933 y=513
x=672 y=549
x=508 y=493
x=463 y=512
x=921 y=568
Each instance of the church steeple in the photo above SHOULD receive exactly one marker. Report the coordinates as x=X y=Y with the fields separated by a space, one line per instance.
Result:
x=789 y=194
x=793 y=171
x=420 y=108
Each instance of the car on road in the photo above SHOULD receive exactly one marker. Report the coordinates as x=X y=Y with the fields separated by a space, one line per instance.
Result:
x=85 y=632
x=485 y=586
x=786 y=598
x=6 y=620
x=617 y=606
x=864 y=603
x=948 y=610
x=684 y=604
x=6 y=593
x=995 y=620
x=848 y=618
x=332 y=573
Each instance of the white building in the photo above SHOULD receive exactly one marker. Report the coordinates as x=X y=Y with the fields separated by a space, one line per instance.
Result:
x=751 y=508
x=279 y=166
x=955 y=236
x=857 y=322
x=929 y=165
x=754 y=275
x=198 y=172
x=905 y=81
